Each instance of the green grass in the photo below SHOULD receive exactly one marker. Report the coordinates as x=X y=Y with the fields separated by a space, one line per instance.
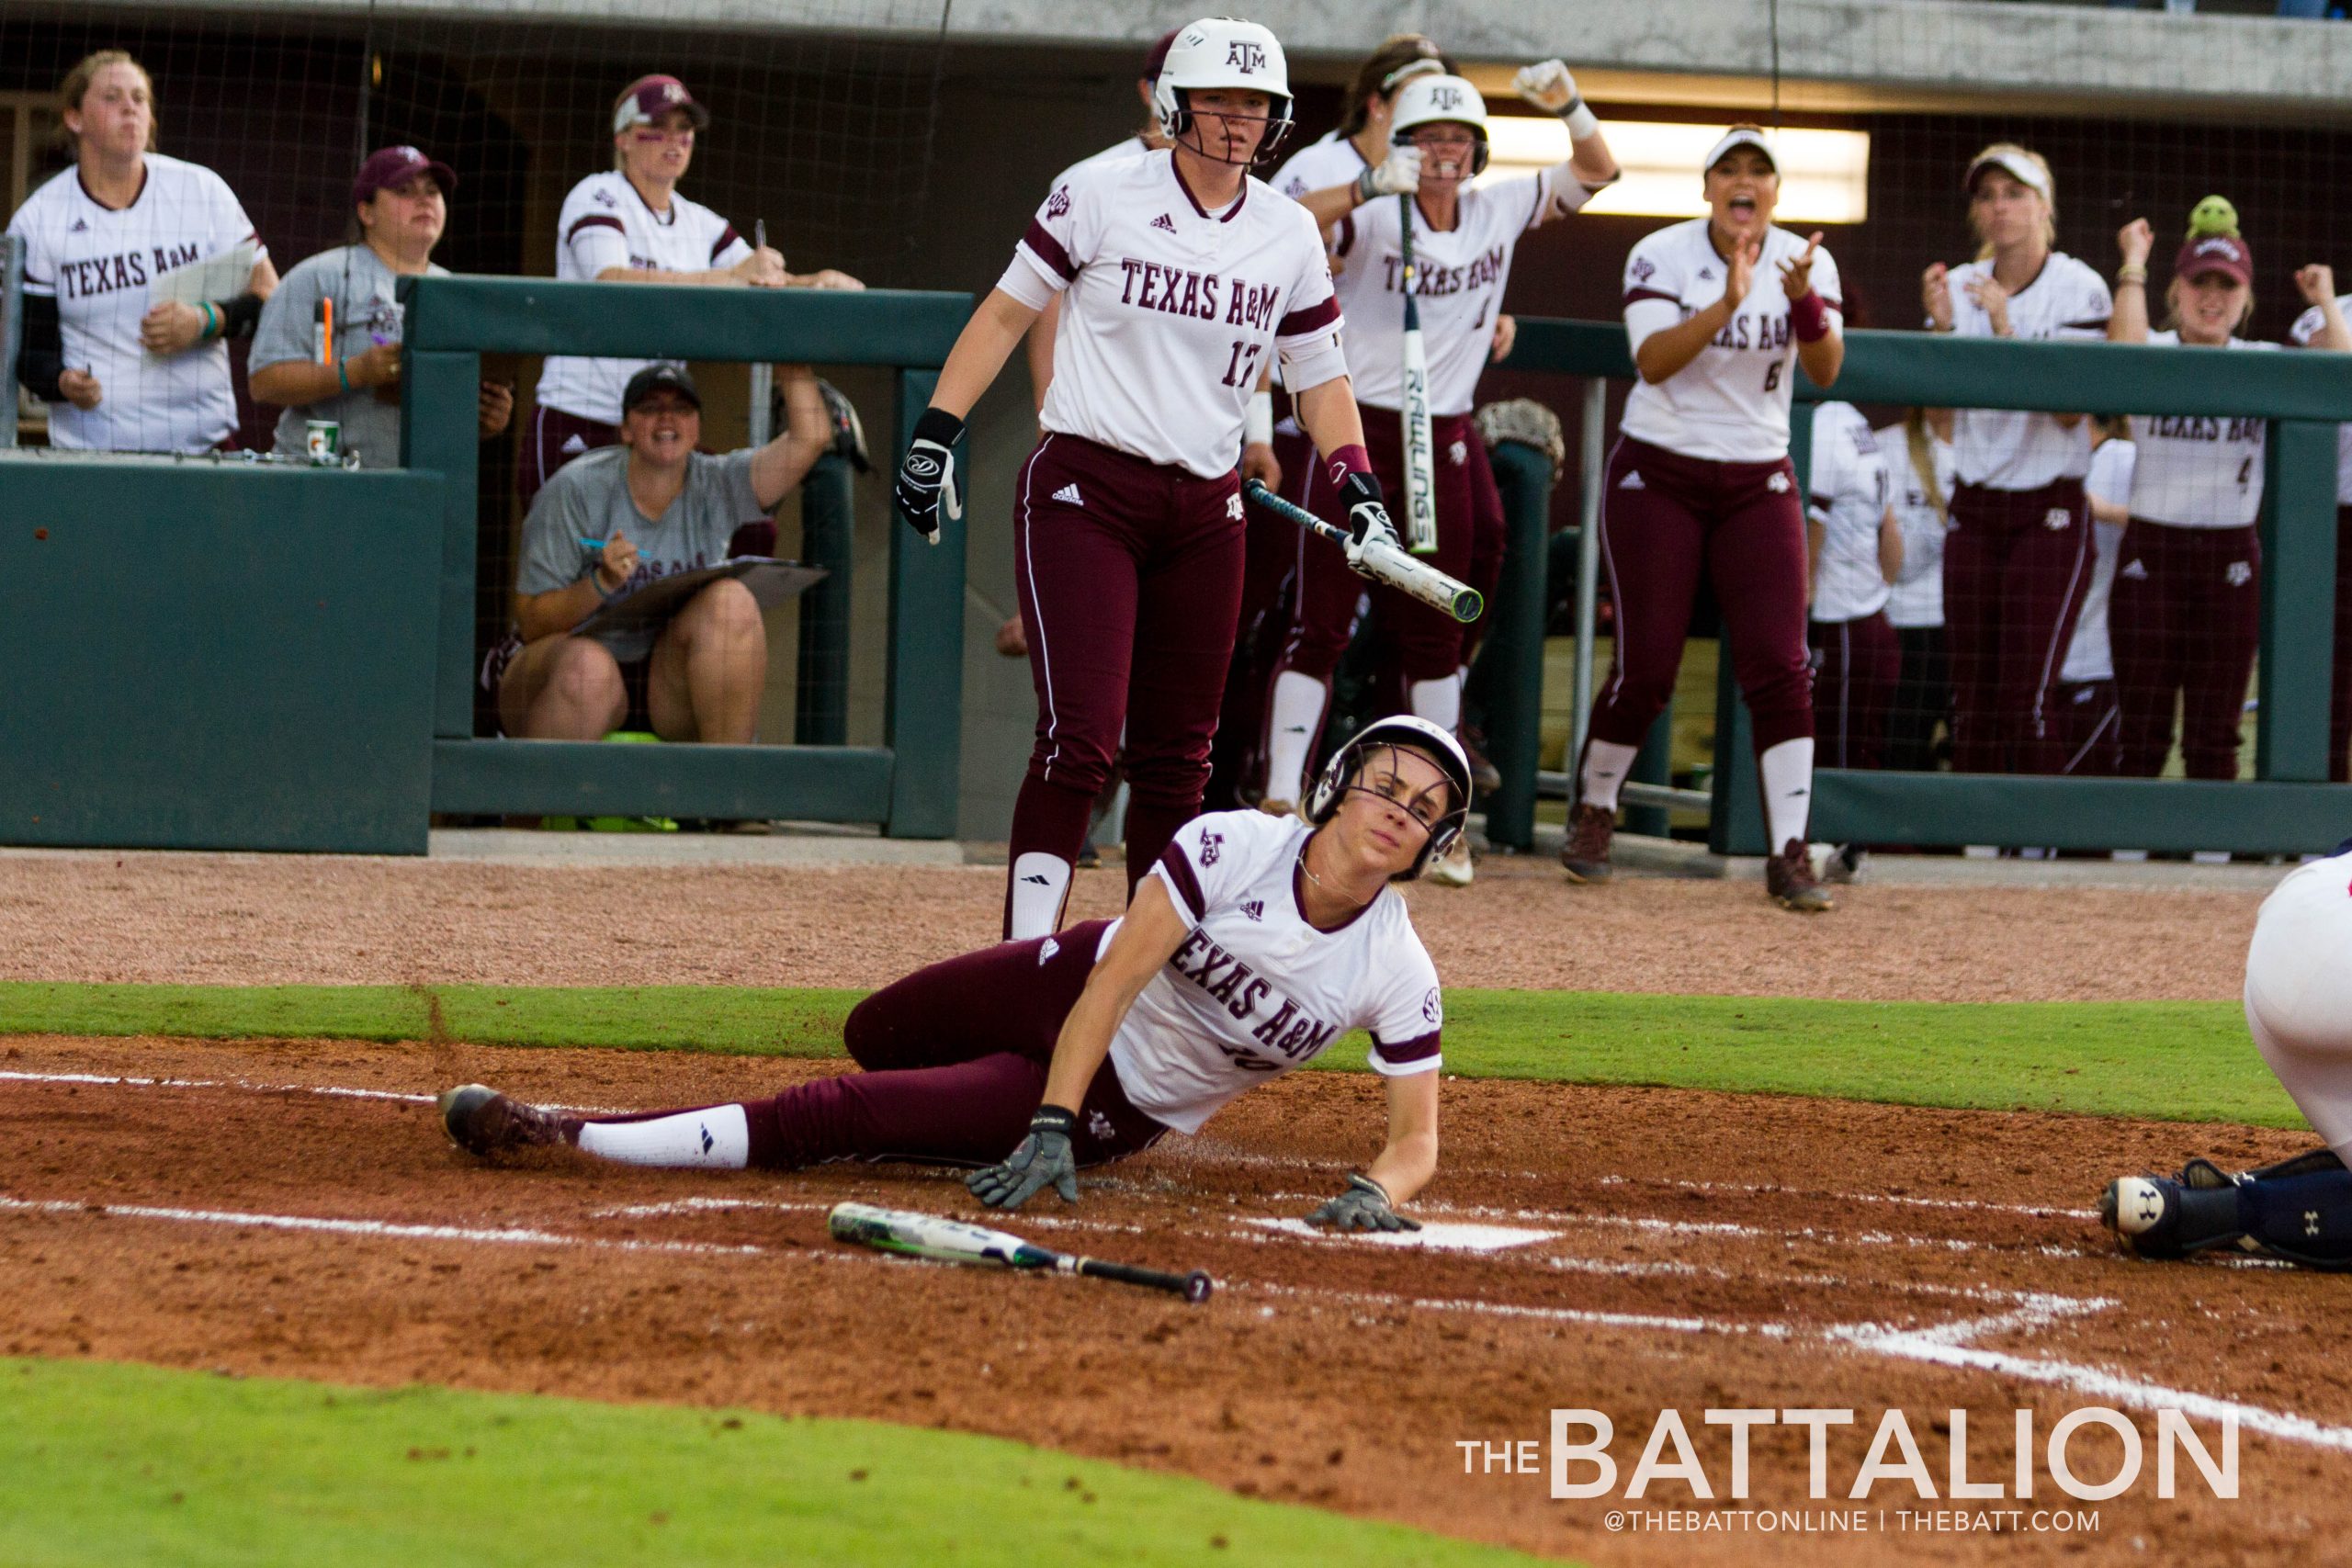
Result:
x=119 y=1465
x=2177 y=1061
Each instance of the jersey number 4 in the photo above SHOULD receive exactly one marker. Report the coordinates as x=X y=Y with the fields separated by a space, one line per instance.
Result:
x=1244 y=360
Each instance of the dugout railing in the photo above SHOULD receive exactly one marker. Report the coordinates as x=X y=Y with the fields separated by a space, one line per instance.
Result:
x=907 y=784
x=2288 y=807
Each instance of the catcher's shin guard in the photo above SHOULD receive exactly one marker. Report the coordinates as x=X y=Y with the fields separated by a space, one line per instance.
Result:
x=2299 y=1210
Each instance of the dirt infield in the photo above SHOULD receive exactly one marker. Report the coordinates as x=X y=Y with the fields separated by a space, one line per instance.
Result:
x=246 y=919
x=1789 y=1253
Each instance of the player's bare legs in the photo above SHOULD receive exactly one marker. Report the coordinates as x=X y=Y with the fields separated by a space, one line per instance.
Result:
x=710 y=669
x=562 y=688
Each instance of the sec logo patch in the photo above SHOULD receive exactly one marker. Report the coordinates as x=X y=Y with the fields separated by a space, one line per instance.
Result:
x=1429 y=1008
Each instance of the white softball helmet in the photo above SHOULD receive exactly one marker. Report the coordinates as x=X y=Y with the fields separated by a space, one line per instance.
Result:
x=1224 y=51
x=1428 y=100
x=1416 y=734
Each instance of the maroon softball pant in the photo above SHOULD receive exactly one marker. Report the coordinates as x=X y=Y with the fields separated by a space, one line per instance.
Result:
x=548 y=443
x=1665 y=519
x=2016 y=565
x=954 y=1059
x=1856 y=666
x=1129 y=575
x=2185 y=620
x=2088 y=720
x=1489 y=539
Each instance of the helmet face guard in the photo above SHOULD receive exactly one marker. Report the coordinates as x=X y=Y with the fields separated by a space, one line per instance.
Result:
x=1409 y=733
x=1174 y=122
x=1441 y=100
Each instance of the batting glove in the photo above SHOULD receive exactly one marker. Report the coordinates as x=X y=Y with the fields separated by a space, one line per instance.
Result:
x=1367 y=515
x=1548 y=86
x=927 y=486
x=1399 y=174
x=1041 y=1157
x=1365 y=1206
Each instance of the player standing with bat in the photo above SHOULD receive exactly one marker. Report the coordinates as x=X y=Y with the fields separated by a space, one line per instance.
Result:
x=1699 y=482
x=1461 y=240
x=1176 y=273
x=1251 y=946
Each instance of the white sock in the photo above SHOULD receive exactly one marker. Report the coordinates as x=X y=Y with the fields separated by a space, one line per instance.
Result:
x=715 y=1138
x=1040 y=881
x=1297 y=714
x=1606 y=765
x=1438 y=701
x=1787 y=770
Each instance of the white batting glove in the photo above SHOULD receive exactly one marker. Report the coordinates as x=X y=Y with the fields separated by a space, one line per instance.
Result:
x=1399 y=174
x=1547 y=85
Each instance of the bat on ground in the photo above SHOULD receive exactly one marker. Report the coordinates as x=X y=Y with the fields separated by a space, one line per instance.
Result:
x=1382 y=563
x=1420 y=444
x=953 y=1241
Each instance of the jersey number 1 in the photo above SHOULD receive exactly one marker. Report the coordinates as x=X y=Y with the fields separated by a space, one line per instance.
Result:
x=1237 y=368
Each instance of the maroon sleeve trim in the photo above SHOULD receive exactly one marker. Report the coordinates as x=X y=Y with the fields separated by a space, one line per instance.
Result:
x=1178 y=867
x=594 y=221
x=1634 y=294
x=1419 y=1049
x=718 y=246
x=1049 y=250
x=1347 y=235
x=2098 y=326
x=1314 y=317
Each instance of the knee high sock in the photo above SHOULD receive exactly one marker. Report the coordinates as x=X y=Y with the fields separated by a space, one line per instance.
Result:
x=1787 y=771
x=1606 y=765
x=1048 y=825
x=1438 y=701
x=713 y=1137
x=1296 y=713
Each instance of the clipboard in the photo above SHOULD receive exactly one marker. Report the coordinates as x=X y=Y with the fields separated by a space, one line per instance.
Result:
x=222 y=275
x=772 y=582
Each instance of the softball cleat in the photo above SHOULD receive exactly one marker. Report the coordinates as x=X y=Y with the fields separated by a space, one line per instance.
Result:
x=483 y=1122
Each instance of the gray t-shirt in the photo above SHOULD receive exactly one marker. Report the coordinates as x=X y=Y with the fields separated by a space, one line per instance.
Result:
x=588 y=499
x=365 y=315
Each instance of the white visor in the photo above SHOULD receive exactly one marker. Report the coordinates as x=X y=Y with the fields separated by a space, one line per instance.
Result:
x=1741 y=136
x=2027 y=174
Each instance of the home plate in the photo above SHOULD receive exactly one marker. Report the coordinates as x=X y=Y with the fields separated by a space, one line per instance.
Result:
x=1442 y=1236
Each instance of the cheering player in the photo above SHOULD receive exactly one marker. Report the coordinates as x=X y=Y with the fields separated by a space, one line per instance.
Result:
x=2317 y=328
x=1178 y=271
x=2019 y=554
x=1462 y=239
x=121 y=374
x=1254 y=943
x=1699 y=482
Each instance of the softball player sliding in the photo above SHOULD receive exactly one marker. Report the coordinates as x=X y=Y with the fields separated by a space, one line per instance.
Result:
x=2019 y=552
x=2317 y=328
x=1462 y=242
x=2188 y=601
x=1699 y=482
x=2299 y=1007
x=1177 y=272
x=1252 y=945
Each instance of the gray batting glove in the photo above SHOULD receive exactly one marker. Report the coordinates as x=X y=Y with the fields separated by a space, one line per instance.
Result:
x=1400 y=173
x=1041 y=1157
x=1365 y=1206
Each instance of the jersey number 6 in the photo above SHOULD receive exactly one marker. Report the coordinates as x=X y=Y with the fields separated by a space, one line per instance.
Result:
x=1772 y=377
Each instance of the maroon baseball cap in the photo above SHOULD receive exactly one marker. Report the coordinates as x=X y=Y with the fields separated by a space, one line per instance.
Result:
x=389 y=166
x=2224 y=253
x=1158 y=55
x=647 y=98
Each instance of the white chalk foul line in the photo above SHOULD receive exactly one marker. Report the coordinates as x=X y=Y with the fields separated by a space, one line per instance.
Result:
x=1766 y=1189
x=506 y=1235
x=127 y=1081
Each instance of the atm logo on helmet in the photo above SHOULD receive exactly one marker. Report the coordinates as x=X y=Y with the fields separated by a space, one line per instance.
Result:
x=1444 y=99
x=1244 y=56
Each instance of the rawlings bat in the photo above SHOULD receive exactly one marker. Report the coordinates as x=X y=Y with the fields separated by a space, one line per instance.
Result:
x=953 y=1241
x=1421 y=445
x=1380 y=562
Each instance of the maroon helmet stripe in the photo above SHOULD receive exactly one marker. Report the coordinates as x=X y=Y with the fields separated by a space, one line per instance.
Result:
x=1179 y=868
x=1314 y=318
x=1048 y=249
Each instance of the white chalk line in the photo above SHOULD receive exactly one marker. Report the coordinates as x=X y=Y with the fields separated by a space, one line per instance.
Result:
x=247 y=1086
x=504 y=1235
x=1771 y=1190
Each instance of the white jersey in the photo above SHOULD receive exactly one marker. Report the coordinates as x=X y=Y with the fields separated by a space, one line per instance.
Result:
x=1731 y=403
x=1254 y=990
x=1916 y=598
x=1459 y=277
x=1169 y=309
x=2301 y=335
x=2010 y=448
x=2090 y=655
x=2298 y=991
x=1335 y=160
x=101 y=267
x=2198 y=470
x=1849 y=493
x=1119 y=152
x=606 y=223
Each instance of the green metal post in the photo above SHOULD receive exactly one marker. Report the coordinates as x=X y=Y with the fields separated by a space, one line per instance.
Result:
x=828 y=538
x=2297 y=602
x=440 y=394
x=1515 y=644
x=925 y=699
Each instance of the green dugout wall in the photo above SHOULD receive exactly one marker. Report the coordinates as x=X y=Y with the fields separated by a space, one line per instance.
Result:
x=2288 y=808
